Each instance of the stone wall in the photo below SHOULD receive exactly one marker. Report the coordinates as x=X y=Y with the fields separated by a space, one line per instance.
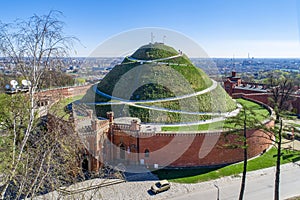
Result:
x=64 y=92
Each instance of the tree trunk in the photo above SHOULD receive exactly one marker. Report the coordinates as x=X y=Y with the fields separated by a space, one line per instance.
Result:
x=277 y=174
x=243 y=184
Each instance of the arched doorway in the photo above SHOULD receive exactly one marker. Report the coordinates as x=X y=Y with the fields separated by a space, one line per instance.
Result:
x=122 y=151
x=147 y=153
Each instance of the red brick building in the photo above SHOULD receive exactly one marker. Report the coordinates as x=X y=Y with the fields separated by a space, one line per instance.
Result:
x=237 y=88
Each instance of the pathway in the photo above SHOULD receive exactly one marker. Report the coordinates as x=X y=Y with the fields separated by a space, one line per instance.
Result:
x=124 y=101
x=260 y=185
x=155 y=60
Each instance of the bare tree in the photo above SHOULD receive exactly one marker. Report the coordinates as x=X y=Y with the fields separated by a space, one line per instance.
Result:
x=278 y=159
x=281 y=94
x=245 y=120
x=282 y=90
x=32 y=46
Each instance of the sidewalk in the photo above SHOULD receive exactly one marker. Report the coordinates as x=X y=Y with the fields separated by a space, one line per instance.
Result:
x=259 y=185
x=140 y=189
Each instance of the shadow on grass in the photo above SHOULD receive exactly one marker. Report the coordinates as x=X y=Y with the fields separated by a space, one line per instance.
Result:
x=296 y=159
x=292 y=156
x=284 y=157
x=170 y=174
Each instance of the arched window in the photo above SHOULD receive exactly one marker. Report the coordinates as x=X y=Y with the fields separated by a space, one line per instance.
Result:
x=147 y=153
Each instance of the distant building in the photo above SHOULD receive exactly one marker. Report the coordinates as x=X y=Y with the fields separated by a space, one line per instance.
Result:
x=237 y=88
x=234 y=84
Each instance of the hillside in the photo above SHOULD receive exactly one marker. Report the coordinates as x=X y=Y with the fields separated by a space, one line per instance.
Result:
x=155 y=72
x=181 y=65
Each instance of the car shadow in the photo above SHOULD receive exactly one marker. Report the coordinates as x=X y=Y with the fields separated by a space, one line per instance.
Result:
x=151 y=193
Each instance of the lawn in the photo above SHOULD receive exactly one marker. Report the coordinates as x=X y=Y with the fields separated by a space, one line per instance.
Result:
x=205 y=174
x=202 y=127
x=259 y=111
x=59 y=108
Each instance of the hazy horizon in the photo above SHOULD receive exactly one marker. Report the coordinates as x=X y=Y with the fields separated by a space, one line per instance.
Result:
x=223 y=29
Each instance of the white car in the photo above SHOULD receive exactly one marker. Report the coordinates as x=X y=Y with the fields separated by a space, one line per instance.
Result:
x=160 y=186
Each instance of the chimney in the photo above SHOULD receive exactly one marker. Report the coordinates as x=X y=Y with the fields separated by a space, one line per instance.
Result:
x=90 y=113
x=110 y=116
x=94 y=125
x=233 y=73
x=134 y=125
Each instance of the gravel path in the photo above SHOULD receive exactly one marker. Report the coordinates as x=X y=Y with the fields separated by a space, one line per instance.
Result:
x=154 y=61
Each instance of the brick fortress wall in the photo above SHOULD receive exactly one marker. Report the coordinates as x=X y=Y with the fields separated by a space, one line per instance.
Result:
x=64 y=92
x=187 y=149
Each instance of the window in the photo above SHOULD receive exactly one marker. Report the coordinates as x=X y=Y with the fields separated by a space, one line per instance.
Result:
x=147 y=153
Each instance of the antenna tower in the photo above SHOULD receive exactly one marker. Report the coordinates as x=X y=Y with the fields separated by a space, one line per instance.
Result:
x=152 y=37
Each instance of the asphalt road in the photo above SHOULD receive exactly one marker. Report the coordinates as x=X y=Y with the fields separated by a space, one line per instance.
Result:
x=260 y=186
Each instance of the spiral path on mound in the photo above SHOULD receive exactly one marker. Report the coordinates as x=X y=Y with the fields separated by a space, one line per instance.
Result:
x=120 y=101
x=125 y=101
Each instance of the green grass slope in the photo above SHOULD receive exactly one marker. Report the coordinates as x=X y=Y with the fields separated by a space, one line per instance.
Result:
x=178 y=69
x=175 y=76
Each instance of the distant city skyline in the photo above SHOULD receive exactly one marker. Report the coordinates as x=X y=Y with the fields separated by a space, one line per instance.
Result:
x=225 y=28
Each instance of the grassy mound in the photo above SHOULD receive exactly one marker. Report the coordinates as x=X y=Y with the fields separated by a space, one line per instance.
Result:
x=171 y=75
x=178 y=71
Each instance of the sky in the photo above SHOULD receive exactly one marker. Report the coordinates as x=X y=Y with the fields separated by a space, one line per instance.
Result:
x=222 y=28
